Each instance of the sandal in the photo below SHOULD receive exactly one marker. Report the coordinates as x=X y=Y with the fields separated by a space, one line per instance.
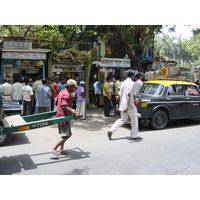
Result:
x=62 y=152
x=54 y=153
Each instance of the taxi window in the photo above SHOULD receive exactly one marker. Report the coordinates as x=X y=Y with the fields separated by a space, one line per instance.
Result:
x=176 y=90
x=191 y=90
x=152 y=89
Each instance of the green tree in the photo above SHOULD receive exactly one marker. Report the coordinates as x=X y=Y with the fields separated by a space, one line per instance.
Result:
x=192 y=48
x=165 y=45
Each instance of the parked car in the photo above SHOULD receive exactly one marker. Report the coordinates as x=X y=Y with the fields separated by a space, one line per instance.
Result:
x=160 y=101
x=9 y=108
x=12 y=108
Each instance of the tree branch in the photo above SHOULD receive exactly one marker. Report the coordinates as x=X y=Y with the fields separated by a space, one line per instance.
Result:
x=148 y=34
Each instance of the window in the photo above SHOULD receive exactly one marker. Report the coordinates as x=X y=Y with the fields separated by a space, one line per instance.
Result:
x=151 y=89
x=191 y=90
x=175 y=90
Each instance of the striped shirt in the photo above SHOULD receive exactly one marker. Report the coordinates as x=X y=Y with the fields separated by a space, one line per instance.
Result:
x=43 y=93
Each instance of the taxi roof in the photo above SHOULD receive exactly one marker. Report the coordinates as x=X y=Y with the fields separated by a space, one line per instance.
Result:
x=168 y=83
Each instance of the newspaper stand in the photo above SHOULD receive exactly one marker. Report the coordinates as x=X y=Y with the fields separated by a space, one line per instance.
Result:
x=17 y=123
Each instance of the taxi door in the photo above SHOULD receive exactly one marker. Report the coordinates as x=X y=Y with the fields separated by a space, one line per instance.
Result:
x=192 y=97
x=176 y=101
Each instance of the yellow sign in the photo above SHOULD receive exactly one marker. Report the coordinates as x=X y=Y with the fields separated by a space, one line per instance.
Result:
x=164 y=71
x=143 y=104
x=24 y=62
x=69 y=75
x=23 y=128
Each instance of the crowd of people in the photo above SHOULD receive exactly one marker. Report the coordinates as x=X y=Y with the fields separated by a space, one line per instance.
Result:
x=65 y=97
x=40 y=96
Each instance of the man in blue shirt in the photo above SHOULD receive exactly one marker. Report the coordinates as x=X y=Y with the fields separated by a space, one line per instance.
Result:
x=62 y=85
x=44 y=95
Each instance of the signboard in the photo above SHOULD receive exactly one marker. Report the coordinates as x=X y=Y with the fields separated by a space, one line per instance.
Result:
x=21 y=55
x=115 y=62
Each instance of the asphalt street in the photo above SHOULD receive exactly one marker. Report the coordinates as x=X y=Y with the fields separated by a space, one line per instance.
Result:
x=172 y=151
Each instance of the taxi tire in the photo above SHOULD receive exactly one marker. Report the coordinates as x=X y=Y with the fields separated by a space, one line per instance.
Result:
x=159 y=120
x=4 y=139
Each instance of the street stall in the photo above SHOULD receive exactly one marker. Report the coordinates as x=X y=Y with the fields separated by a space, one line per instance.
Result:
x=169 y=70
x=17 y=57
x=69 y=64
x=69 y=70
x=111 y=67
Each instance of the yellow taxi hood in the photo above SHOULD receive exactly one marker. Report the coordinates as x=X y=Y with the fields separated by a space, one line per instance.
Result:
x=168 y=83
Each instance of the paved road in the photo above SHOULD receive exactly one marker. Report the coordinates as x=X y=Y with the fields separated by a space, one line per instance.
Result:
x=173 y=151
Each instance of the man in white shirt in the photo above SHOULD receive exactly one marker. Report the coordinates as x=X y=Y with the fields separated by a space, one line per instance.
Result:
x=28 y=103
x=17 y=91
x=6 y=88
x=118 y=84
x=127 y=108
x=138 y=83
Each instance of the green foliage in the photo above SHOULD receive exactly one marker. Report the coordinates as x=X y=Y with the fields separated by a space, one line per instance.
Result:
x=71 y=55
x=185 y=52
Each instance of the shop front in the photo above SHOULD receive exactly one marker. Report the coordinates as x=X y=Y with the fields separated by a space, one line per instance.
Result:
x=114 y=66
x=107 y=67
x=68 y=70
x=14 y=61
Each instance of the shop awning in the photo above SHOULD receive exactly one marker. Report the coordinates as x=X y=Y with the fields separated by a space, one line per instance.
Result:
x=26 y=50
x=33 y=54
x=113 y=62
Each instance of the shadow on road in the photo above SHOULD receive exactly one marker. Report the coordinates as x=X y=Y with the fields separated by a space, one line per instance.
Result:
x=15 y=164
x=18 y=139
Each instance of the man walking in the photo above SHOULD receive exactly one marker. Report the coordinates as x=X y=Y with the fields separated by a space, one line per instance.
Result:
x=64 y=109
x=127 y=108
x=80 y=95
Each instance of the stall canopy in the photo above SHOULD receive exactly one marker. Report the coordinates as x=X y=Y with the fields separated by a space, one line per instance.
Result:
x=113 y=62
x=14 y=60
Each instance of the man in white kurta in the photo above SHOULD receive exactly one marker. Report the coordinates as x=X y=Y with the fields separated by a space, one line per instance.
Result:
x=127 y=108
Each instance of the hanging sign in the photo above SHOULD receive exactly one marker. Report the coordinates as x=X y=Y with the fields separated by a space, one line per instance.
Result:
x=21 y=55
x=24 y=62
x=37 y=64
x=41 y=62
x=115 y=62
x=164 y=71
x=69 y=75
x=18 y=62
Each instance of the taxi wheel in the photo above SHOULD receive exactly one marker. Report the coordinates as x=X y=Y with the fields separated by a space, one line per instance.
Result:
x=159 y=120
x=4 y=139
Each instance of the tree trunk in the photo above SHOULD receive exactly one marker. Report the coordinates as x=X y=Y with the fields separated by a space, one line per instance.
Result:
x=135 y=61
x=88 y=66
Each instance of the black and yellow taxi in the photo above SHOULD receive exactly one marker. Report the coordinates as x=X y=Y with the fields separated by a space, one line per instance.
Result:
x=162 y=100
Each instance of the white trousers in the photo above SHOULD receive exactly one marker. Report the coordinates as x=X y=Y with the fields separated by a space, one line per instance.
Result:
x=80 y=107
x=124 y=117
x=55 y=108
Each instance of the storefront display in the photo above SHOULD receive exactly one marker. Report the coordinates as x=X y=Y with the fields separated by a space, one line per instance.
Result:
x=68 y=70
x=14 y=61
